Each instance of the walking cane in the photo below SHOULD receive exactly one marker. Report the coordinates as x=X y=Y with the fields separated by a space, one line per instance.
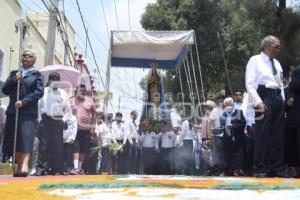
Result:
x=22 y=27
x=16 y=126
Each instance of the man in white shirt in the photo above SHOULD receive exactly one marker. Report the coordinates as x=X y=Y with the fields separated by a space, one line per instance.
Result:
x=118 y=130
x=265 y=88
x=54 y=105
x=106 y=137
x=167 y=141
x=149 y=143
x=241 y=103
x=215 y=114
x=131 y=147
x=187 y=138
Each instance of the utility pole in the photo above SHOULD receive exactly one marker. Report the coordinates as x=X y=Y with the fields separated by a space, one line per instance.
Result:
x=107 y=83
x=119 y=105
x=66 y=53
x=49 y=55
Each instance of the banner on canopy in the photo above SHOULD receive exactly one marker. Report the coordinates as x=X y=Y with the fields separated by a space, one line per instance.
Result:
x=141 y=48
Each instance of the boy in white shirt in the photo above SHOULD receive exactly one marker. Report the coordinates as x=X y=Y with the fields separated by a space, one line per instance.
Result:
x=69 y=136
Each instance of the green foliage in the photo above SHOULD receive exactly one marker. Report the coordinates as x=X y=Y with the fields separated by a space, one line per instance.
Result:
x=241 y=25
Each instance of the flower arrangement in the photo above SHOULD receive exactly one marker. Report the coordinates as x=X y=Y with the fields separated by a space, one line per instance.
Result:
x=115 y=148
x=156 y=123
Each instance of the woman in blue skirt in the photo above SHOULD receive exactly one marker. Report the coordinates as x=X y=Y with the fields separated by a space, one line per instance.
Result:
x=31 y=90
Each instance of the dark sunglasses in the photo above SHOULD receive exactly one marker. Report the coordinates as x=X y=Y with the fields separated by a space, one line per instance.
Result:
x=238 y=95
x=26 y=55
x=275 y=46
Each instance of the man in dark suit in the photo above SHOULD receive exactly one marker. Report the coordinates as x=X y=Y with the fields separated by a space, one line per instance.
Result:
x=293 y=112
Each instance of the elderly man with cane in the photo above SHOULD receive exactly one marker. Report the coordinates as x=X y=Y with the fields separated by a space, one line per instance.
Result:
x=25 y=87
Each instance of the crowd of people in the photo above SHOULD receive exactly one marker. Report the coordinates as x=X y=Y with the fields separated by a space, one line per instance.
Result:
x=253 y=133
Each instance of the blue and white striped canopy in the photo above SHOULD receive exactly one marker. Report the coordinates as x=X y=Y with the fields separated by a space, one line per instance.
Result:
x=140 y=49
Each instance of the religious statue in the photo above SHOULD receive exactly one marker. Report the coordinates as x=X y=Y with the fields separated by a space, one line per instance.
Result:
x=155 y=110
x=154 y=86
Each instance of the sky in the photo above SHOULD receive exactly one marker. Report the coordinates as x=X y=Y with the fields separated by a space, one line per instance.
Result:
x=124 y=81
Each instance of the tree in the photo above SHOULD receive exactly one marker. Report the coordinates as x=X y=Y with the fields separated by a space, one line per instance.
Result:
x=241 y=25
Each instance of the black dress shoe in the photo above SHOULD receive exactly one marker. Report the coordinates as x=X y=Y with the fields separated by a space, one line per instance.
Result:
x=260 y=174
x=20 y=174
x=282 y=174
x=39 y=173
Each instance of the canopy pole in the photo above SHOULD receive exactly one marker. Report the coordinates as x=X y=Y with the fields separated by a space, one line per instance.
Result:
x=196 y=84
x=189 y=82
x=200 y=70
x=190 y=77
x=107 y=81
x=181 y=87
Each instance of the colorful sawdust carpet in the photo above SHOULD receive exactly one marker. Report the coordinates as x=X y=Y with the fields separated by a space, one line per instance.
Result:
x=147 y=187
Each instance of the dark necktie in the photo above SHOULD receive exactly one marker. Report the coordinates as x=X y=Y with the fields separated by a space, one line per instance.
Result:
x=273 y=66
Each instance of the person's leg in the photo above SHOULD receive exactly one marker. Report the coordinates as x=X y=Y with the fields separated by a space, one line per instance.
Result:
x=25 y=162
x=262 y=146
x=56 y=149
x=133 y=158
x=126 y=154
x=76 y=148
x=84 y=145
x=277 y=137
x=19 y=159
x=42 y=162
x=34 y=155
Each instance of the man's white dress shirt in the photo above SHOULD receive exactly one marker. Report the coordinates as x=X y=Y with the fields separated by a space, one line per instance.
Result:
x=106 y=132
x=131 y=132
x=186 y=132
x=149 y=140
x=259 y=72
x=54 y=103
x=168 y=139
x=118 y=130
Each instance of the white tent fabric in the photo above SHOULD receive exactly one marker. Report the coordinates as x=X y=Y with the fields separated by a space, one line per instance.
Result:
x=140 y=49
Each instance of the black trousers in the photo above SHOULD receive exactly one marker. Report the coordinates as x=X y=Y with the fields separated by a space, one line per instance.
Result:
x=50 y=150
x=165 y=161
x=134 y=154
x=249 y=152
x=149 y=158
x=269 y=132
x=106 y=161
x=188 y=157
x=122 y=160
x=67 y=157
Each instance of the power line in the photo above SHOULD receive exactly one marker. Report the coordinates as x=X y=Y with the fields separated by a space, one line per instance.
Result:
x=105 y=18
x=125 y=71
x=88 y=38
x=91 y=48
x=129 y=15
x=91 y=28
x=62 y=30
x=116 y=14
x=34 y=3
